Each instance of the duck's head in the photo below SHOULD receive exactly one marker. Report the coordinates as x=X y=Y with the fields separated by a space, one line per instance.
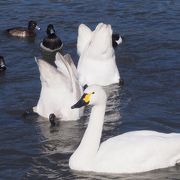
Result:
x=2 y=64
x=93 y=95
x=116 y=40
x=50 y=29
x=32 y=25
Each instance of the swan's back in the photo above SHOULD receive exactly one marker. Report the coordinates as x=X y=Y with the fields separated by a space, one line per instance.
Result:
x=138 y=151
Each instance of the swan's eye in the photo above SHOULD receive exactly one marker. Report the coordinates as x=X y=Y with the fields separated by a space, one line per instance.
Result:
x=93 y=92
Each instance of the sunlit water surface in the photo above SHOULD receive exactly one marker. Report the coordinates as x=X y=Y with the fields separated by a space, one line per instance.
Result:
x=149 y=63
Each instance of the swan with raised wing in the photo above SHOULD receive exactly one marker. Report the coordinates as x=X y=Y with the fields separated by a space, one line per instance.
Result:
x=60 y=88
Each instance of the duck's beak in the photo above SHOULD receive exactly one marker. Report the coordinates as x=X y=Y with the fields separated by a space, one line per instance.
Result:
x=52 y=31
x=116 y=40
x=82 y=102
x=2 y=63
x=37 y=27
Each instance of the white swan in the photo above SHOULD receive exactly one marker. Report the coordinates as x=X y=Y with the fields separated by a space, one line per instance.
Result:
x=131 y=152
x=60 y=89
x=97 y=64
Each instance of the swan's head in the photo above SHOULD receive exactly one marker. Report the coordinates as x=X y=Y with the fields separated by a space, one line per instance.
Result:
x=93 y=95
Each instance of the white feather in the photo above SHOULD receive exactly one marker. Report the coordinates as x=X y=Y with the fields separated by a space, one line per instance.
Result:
x=131 y=152
x=59 y=90
x=97 y=64
x=84 y=37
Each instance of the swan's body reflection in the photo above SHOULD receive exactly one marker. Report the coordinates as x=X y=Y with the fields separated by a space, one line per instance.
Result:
x=59 y=142
x=65 y=137
x=62 y=138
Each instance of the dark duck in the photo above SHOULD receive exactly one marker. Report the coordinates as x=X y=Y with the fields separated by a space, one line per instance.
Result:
x=24 y=32
x=116 y=40
x=2 y=64
x=51 y=42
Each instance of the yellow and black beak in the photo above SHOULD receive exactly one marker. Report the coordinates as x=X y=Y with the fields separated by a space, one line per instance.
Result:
x=85 y=99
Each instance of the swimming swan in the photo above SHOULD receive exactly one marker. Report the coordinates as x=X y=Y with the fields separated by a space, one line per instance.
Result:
x=131 y=152
x=60 y=89
x=97 y=64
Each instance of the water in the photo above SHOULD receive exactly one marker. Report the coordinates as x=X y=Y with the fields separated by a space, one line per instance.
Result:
x=148 y=62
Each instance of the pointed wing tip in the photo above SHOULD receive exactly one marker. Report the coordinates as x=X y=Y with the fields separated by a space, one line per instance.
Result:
x=67 y=55
x=58 y=56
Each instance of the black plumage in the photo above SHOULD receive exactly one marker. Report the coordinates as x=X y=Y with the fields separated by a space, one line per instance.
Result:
x=24 y=32
x=52 y=42
x=2 y=64
x=115 y=39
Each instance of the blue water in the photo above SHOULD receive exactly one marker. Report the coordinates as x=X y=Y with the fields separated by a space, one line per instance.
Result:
x=148 y=61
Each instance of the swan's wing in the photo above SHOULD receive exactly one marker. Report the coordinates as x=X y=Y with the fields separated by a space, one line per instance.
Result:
x=61 y=64
x=77 y=89
x=68 y=58
x=83 y=39
x=70 y=72
x=50 y=76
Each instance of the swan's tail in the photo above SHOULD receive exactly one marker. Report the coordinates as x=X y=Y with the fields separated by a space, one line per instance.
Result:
x=83 y=39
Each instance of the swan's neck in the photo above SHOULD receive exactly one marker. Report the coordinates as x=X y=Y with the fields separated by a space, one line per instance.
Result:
x=89 y=145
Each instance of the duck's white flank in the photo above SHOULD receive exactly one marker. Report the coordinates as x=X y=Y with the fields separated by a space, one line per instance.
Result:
x=50 y=50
